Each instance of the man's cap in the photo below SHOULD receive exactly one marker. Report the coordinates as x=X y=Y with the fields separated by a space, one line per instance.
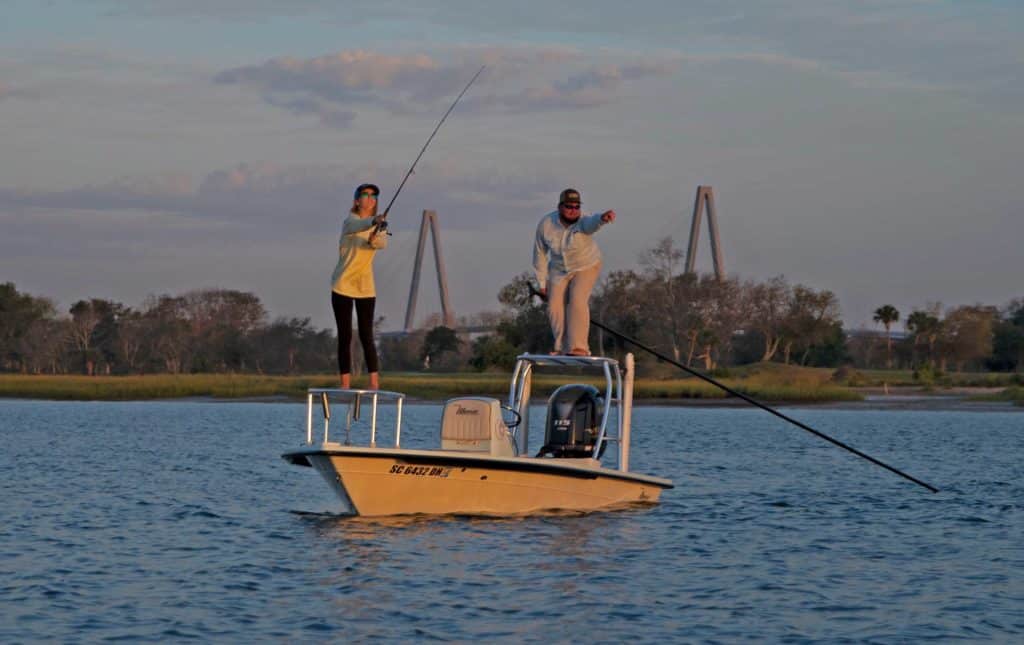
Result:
x=569 y=196
x=362 y=187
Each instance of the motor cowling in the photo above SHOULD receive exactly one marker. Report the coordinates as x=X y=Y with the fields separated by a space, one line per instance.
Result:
x=573 y=422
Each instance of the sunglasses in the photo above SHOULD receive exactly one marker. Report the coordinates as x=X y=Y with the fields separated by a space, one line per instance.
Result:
x=367 y=194
x=571 y=207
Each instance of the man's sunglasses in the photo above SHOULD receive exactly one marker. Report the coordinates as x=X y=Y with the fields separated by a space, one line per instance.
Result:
x=367 y=194
x=571 y=207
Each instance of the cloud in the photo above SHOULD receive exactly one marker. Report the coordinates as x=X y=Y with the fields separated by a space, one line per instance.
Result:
x=302 y=105
x=767 y=103
x=974 y=48
x=224 y=10
x=330 y=86
x=167 y=192
x=344 y=75
x=892 y=43
x=591 y=87
x=9 y=92
x=280 y=199
x=269 y=228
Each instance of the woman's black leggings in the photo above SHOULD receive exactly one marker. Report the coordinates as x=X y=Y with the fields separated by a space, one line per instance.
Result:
x=342 y=306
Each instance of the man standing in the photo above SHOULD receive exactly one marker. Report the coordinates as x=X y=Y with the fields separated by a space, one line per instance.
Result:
x=567 y=261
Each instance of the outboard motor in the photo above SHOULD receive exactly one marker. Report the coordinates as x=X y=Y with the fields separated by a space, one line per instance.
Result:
x=574 y=421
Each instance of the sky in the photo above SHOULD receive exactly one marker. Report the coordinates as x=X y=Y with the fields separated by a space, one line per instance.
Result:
x=153 y=147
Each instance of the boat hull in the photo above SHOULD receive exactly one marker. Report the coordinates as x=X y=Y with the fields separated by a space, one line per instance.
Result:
x=380 y=482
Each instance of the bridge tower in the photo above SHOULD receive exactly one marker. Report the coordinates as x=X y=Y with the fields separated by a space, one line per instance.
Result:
x=447 y=313
x=705 y=200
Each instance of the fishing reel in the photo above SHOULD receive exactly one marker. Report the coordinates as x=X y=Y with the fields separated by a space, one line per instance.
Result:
x=380 y=227
x=534 y=291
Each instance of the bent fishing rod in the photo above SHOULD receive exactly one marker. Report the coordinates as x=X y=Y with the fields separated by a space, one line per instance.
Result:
x=535 y=292
x=382 y=224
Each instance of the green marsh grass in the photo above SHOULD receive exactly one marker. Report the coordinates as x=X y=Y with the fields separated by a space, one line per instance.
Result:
x=1013 y=394
x=162 y=386
x=768 y=384
x=900 y=378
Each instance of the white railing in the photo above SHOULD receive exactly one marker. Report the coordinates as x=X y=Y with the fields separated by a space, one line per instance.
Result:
x=617 y=397
x=354 y=401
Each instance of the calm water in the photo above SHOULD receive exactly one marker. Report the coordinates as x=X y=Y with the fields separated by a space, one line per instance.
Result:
x=177 y=520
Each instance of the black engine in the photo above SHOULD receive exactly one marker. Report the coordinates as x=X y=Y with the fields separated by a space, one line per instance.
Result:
x=574 y=421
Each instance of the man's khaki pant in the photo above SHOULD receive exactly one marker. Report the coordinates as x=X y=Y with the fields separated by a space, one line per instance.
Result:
x=569 y=308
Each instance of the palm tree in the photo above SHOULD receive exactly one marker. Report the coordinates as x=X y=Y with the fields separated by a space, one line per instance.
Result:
x=925 y=327
x=887 y=315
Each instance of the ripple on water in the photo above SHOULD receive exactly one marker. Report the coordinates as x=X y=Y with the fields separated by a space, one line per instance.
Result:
x=205 y=534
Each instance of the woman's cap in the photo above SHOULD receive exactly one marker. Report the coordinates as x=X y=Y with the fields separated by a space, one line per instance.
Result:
x=362 y=187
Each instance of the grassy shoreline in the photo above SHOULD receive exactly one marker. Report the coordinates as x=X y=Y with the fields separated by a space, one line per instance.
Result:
x=768 y=382
x=416 y=385
x=1014 y=395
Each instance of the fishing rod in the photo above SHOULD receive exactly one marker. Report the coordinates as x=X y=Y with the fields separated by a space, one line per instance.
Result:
x=802 y=426
x=382 y=223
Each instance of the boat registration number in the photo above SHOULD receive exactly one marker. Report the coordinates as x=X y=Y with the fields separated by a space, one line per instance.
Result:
x=420 y=471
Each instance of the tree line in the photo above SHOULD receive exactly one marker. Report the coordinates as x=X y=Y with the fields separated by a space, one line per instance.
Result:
x=699 y=320
x=709 y=323
x=979 y=337
x=210 y=330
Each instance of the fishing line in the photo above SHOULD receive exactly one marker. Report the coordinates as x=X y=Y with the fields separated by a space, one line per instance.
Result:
x=754 y=402
x=382 y=223
x=764 y=407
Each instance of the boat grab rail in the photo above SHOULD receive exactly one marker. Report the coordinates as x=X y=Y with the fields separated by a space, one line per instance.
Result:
x=353 y=399
x=609 y=368
x=562 y=360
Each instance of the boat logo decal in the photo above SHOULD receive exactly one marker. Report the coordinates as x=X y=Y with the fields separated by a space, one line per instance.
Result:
x=461 y=410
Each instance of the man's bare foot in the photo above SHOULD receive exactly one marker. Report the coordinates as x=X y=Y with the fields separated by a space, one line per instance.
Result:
x=346 y=381
x=578 y=351
x=374 y=380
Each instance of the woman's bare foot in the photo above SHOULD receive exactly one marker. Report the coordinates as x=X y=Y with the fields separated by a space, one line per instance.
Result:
x=578 y=351
x=346 y=381
x=374 y=380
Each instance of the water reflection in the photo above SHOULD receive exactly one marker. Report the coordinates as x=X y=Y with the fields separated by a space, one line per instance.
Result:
x=768 y=536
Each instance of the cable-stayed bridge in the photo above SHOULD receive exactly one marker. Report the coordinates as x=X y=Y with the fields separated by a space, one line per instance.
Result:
x=704 y=203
